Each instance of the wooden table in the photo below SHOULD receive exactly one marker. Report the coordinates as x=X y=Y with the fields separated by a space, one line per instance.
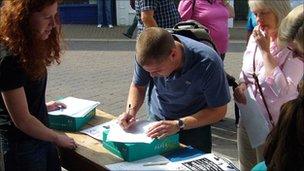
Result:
x=90 y=154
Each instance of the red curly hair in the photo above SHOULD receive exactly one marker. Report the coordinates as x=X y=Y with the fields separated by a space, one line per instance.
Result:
x=16 y=35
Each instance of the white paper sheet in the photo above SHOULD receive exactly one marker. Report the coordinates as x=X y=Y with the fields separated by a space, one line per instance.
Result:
x=135 y=134
x=139 y=164
x=253 y=119
x=204 y=162
x=75 y=107
x=96 y=131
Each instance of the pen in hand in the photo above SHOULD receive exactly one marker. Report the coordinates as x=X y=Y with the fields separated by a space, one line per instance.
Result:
x=129 y=108
x=132 y=119
x=127 y=119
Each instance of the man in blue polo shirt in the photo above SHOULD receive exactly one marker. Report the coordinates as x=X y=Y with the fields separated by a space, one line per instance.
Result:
x=189 y=92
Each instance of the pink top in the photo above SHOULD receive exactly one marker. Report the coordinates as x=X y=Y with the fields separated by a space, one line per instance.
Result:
x=213 y=16
x=278 y=88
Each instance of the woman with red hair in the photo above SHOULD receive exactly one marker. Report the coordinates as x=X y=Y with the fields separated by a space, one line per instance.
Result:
x=29 y=43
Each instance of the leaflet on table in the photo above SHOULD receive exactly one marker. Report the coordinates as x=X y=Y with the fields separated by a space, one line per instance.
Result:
x=75 y=107
x=157 y=162
x=208 y=161
x=202 y=162
x=253 y=118
x=135 y=134
x=96 y=131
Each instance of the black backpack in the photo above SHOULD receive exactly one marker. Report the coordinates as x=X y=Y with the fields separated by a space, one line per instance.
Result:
x=196 y=31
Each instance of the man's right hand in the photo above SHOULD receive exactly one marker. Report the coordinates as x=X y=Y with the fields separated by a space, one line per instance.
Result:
x=126 y=120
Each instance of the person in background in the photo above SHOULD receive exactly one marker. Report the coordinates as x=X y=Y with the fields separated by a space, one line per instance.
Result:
x=214 y=15
x=132 y=28
x=189 y=91
x=156 y=13
x=295 y=3
x=270 y=71
x=284 y=147
x=250 y=24
x=105 y=12
x=29 y=43
x=176 y=2
x=291 y=32
x=251 y=19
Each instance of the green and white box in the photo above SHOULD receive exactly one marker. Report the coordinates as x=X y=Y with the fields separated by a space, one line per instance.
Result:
x=76 y=115
x=135 y=151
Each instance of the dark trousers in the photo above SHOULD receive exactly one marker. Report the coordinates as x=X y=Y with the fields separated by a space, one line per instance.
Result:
x=199 y=138
x=31 y=155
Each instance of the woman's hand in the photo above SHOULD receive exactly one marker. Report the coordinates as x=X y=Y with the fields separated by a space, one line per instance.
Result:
x=262 y=38
x=263 y=41
x=163 y=128
x=53 y=105
x=239 y=93
x=66 y=142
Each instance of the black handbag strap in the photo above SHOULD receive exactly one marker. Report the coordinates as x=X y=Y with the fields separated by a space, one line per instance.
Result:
x=255 y=77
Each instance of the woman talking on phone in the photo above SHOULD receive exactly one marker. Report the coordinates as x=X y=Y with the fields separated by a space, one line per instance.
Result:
x=271 y=72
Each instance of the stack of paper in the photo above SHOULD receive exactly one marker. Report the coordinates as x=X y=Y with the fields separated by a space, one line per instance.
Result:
x=75 y=107
x=135 y=134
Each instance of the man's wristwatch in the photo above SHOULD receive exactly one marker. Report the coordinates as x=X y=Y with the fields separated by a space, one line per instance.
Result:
x=181 y=124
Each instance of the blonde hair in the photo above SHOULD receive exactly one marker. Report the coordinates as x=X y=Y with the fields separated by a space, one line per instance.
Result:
x=153 y=44
x=292 y=28
x=279 y=7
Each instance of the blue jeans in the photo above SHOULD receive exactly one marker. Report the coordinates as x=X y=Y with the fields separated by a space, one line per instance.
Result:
x=31 y=155
x=105 y=12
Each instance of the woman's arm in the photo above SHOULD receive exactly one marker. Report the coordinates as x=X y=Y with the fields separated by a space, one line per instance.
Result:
x=263 y=41
x=280 y=76
x=16 y=104
x=185 y=9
